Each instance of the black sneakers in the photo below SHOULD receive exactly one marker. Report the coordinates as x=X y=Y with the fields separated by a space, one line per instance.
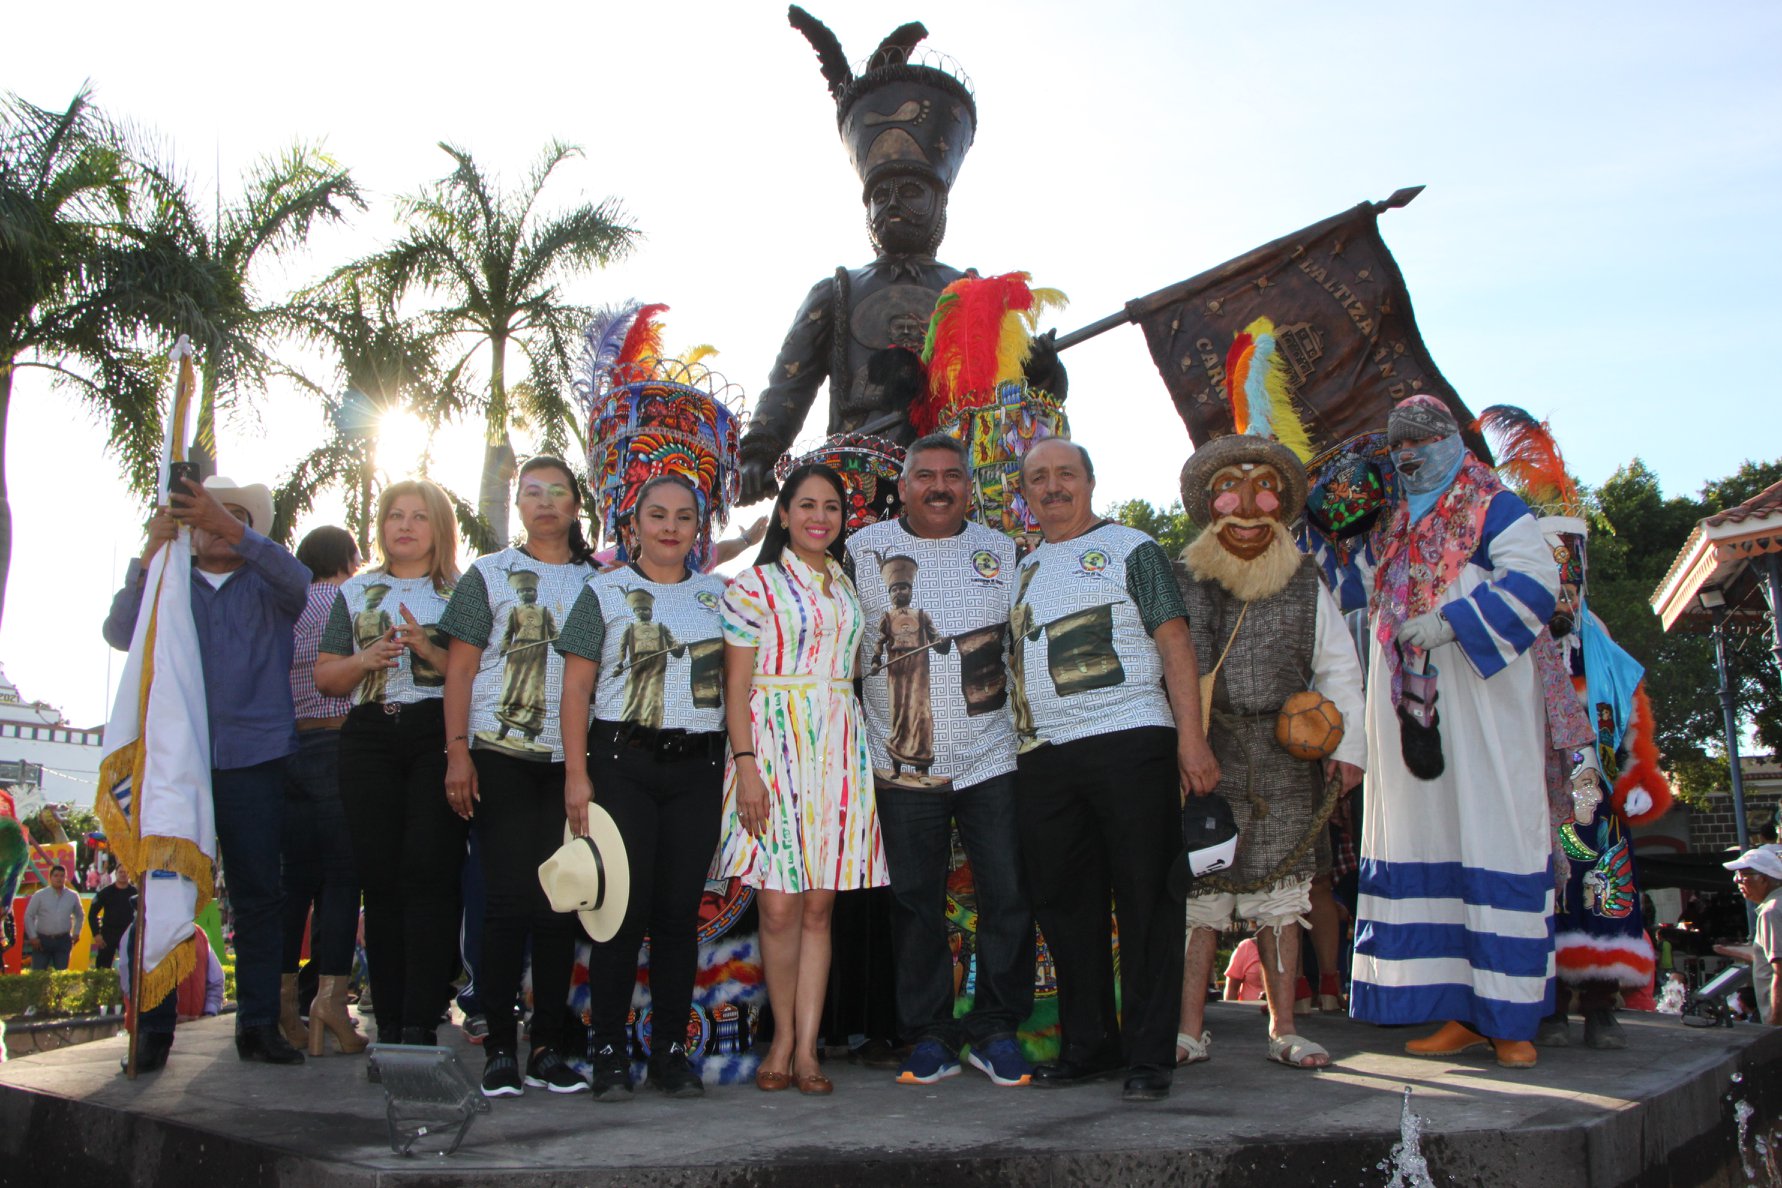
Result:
x=612 y=1074
x=501 y=1075
x=547 y=1070
x=670 y=1073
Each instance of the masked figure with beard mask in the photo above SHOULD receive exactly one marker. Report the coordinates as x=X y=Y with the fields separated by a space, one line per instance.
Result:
x=1257 y=609
x=1455 y=855
x=908 y=120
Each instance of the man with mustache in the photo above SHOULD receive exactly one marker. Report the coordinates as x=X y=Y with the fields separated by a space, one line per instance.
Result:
x=944 y=753
x=1456 y=896
x=1259 y=613
x=1117 y=748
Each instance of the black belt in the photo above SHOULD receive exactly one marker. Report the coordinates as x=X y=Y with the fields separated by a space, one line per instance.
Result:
x=664 y=744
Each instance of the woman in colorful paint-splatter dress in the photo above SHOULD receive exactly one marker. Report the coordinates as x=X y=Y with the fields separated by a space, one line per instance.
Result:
x=799 y=818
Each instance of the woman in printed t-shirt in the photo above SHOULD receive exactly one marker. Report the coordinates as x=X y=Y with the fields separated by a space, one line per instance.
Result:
x=383 y=648
x=504 y=764
x=645 y=643
x=800 y=822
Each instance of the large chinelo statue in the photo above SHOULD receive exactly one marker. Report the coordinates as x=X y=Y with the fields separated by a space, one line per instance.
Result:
x=907 y=119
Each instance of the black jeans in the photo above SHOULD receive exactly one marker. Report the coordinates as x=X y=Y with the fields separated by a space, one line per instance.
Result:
x=1102 y=816
x=918 y=849
x=519 y=823
x=318 y=857
x=669 y=813
x=407 y=844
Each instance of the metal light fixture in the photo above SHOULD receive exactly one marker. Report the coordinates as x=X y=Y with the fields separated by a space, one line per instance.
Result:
x=1712 y=598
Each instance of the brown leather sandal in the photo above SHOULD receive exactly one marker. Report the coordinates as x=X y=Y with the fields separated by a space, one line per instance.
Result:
x=772 y=1082
x=815 y=1085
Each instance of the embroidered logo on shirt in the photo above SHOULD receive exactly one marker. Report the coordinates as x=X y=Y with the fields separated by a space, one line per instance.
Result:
x=707 y=599
x=986 y=564
x=1093 y=561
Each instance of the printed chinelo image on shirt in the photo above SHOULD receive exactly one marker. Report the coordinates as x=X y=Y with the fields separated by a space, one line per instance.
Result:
x=644 y=648
x=660 y=649
x=524 y=701
x=932 y=656
x=1080 y=652
x=369 y=626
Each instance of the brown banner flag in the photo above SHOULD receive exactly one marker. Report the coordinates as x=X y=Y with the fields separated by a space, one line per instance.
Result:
x=1343 y=325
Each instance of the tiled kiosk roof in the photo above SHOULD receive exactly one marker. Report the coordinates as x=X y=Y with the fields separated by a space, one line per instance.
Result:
x=1719 y=555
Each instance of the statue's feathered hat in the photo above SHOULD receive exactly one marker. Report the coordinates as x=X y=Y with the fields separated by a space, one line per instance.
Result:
x=907 y=109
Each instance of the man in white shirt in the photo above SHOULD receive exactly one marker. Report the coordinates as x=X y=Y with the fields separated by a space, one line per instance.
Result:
x=1758 y=872
x=52 y=921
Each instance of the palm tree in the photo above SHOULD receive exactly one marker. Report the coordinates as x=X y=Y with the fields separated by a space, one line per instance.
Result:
x=496 y=263
x=283 y=197
x=387 y=366
x=89 y=271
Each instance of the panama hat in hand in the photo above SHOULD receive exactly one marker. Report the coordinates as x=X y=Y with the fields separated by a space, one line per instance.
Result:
x=590 y=876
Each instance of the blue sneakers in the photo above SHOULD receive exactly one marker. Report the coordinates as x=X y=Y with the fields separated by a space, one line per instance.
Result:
x=1001 y=1060
x=928 y=1063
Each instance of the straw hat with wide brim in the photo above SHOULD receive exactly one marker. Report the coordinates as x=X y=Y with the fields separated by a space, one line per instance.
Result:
x=1235 y=450
x=590 y=876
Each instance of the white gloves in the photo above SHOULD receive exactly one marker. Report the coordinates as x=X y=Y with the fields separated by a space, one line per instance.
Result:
x=1638 y=801
x=1426 y=631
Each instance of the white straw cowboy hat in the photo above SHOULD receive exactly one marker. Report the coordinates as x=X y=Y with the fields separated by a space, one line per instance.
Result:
x=255 y=499
x=590 y=876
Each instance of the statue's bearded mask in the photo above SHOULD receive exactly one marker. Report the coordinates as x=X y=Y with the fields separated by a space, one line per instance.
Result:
x=906 y=214
x=1246 y=548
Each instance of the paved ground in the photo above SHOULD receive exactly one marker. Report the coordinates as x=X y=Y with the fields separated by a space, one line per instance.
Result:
x=1663 y=1112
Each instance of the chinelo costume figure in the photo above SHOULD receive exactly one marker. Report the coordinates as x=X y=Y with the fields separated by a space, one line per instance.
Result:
x=908 y=118
x=1602 y=766
x=1269 y=632
x=1456 y=729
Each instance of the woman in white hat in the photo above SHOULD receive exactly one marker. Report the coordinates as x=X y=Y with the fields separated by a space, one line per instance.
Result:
x=644 y=645
x=504 y=765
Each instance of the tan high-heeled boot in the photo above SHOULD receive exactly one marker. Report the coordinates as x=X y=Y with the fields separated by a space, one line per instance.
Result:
x=289 y=1021
x=328 y=1015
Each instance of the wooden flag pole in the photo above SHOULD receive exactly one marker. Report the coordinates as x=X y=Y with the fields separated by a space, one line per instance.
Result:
x=133 y=1003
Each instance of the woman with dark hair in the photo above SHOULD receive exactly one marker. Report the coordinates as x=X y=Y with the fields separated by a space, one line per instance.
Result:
x=317 y=856
x=799 y=817
x=645 y=645
x=384 y=649
x=504 y=765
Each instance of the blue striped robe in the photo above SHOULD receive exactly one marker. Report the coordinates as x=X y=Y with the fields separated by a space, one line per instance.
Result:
x=1455 y=919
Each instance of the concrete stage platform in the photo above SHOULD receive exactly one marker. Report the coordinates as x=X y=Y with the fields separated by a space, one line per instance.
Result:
x=1679 y=1107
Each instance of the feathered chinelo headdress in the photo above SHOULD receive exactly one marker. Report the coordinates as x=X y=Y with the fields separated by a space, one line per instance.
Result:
x=650 y=414
x=1261 y=393
x=1529 y=459
x=980 y=338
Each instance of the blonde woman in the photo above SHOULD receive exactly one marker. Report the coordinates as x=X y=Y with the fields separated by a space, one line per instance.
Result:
x=383 y=648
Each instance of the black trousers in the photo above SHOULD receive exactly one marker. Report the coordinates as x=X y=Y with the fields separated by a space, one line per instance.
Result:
x=407 y=845
x=317 y=857
x=669 y=814
x=519 y=823
x=1100 y=817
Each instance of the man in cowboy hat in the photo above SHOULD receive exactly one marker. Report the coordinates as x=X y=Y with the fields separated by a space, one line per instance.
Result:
x=1266 y=628
x=247 y=593
x=1465 y=584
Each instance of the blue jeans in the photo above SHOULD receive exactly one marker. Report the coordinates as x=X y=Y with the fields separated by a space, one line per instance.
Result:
x=918 y=848
x=53 y=952
x=250 y=811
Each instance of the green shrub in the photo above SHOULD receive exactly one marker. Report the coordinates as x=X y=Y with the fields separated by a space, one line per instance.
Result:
x=50 y=993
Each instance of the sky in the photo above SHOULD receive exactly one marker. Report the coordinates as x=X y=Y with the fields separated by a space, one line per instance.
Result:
x=1598 y=241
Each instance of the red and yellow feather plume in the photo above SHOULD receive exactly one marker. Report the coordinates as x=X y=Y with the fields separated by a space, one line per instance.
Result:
x=979 y=338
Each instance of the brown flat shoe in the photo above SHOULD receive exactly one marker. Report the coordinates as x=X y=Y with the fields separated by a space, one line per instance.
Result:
x=1515 y=1053
x=1451 y=1040
x=772 y=1082
x=815 y=1085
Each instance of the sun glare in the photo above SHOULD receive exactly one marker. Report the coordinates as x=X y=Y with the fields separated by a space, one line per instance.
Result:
x=401 y=440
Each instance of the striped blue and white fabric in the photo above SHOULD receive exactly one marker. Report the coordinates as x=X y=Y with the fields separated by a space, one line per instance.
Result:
x=1455 y=919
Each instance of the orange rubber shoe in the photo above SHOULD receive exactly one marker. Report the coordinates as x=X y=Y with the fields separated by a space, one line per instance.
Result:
x=1515 y=1053
x=1451 y=1040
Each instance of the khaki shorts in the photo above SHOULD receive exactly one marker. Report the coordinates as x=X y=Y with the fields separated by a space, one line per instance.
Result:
x=1274 y=907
